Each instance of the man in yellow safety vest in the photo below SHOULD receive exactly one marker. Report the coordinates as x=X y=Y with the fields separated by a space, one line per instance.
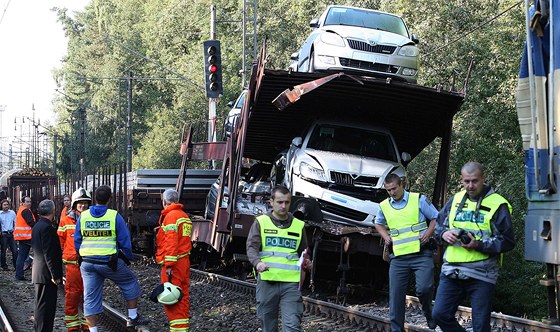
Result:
x=476 y=226
x=274 y=246
x=406 y=222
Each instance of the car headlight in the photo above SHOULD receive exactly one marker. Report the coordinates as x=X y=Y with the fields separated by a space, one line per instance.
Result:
x=409 y=72
x=332 y=39
x=311 y=172
x=408 y=50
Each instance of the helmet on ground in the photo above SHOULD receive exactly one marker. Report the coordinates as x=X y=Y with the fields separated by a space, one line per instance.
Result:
x=80 y=195
x=170 y=294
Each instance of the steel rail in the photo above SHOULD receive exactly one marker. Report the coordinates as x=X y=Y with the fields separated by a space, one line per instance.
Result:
x=361 y=319
x=110 y=318
x=5 y=323
x=116 y=320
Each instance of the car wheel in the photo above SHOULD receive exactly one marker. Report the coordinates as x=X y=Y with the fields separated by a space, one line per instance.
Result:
x=311 y=68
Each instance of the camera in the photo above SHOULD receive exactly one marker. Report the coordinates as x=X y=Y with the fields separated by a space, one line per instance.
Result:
x=463 y=235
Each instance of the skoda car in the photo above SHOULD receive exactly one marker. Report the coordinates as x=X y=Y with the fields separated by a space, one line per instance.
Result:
x=359 y=40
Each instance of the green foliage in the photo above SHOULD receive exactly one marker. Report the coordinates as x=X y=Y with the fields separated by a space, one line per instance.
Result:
x=160 y=43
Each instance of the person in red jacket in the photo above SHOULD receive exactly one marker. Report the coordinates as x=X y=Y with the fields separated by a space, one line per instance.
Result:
x=74 y=287
x=173 y=240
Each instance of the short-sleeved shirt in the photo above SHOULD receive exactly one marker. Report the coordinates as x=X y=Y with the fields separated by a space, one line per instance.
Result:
x=8 y=220
x=427 y=209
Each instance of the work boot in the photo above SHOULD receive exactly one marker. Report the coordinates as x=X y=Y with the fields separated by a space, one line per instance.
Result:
x=138 y=321
x=431 y=324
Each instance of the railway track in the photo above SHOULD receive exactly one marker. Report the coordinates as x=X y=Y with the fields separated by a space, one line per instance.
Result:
x=16 y=318
x=354 y=319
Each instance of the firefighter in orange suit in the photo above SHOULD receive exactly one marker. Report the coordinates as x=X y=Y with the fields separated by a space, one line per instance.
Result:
x=25 y=220
x=173 y=240
x=74 y=287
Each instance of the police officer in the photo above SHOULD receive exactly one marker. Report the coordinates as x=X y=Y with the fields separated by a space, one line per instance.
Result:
x=406 y=222
x=101 y=233
x=475 y=224
x=274 y=245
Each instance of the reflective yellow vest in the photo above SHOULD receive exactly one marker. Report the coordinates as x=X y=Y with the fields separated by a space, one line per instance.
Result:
x=404 y=227
x=479 y=225
x=99 y=236
x=280 y=249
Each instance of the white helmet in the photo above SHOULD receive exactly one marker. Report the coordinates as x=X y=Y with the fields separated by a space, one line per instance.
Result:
x=80 y=195
x=171 y=294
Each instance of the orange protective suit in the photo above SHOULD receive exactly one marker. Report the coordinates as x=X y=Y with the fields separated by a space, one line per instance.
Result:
x=74 y=287
x=173 y=240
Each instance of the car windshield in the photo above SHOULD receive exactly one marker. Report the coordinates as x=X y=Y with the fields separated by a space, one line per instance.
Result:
x=366 y=19
x=241 y=99
x=351 y=140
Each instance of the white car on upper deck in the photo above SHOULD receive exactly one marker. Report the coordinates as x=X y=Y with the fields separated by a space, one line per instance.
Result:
x=359 y=40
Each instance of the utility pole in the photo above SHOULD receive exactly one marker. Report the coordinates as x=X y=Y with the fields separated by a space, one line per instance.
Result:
x=249 y=39
x=55 y=136
x=2 y=109
x=82 y=124
x=129 y=123
x=212 y=102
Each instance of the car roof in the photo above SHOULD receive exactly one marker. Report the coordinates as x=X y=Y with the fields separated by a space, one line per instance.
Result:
x=414 y=114
x=361 y=8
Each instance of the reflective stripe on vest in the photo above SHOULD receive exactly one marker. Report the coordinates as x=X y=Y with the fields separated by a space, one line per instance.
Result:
x=479 y=225
x=404 y=227
x=280 y=249
x=99 y=236
x=22 y=231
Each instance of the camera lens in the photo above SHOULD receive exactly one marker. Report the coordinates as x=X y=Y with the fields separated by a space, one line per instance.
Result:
x=464 y=236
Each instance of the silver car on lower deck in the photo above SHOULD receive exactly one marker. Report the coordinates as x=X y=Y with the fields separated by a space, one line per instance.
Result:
x=359 y=40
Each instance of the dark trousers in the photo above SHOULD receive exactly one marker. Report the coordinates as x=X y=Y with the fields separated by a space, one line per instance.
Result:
x=7 y=241
x=451 y=292
x=45 y=307
x=23 y=253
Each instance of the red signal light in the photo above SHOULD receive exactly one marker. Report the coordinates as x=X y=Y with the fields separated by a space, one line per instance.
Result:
x=212 y=68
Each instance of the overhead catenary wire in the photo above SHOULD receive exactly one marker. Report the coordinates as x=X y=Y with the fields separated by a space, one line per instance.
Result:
x=462 y=36
x=4 y=11
x=154 y=62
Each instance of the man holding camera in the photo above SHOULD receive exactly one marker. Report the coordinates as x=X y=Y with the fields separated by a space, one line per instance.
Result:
x=476 y=226
x=406 y=222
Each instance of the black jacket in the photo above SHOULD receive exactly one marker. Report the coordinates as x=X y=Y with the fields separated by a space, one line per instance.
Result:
x=47 y=254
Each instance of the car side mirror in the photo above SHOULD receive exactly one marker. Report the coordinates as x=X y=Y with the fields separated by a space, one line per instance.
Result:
x=230 y=104
x=314 y=23
x=405 y=157
x=297 y=141
x=294 y=56
x=415 y=39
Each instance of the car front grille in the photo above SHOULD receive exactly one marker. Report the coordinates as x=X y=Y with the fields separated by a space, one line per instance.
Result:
x=363 y=46
x=342 y=211
x=366 y=65
x=346 y=179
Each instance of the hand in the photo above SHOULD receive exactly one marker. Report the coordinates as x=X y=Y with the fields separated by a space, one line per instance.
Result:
x=56 y=281
x=425 y=237
x=169 y=272
x=261 y=267
x=387 y=240
x=449 y=237
x=307 y=264
x=473 y=245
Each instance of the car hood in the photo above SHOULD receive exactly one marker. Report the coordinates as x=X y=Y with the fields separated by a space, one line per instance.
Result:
x=352 y=164
x=379 y=37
